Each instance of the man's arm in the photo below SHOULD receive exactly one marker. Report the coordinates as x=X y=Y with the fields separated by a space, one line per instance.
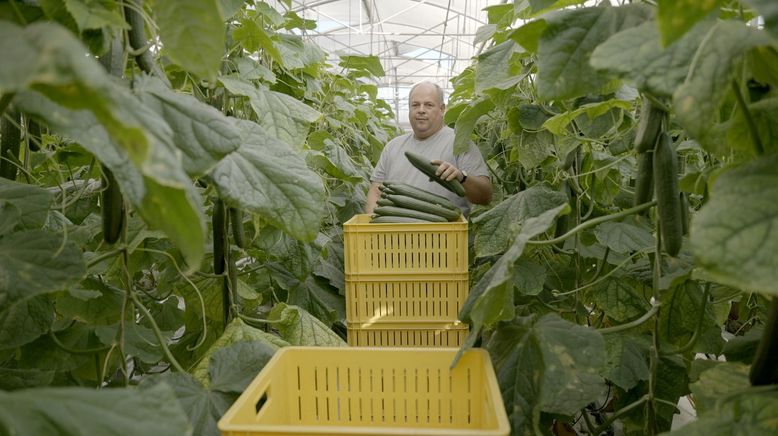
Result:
x=478 y=189
x=372 y=196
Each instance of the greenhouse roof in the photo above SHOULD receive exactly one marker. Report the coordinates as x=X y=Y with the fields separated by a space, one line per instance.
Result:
x=415 y=40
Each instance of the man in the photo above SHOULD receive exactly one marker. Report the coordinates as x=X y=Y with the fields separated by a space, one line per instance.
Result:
x=432 y=139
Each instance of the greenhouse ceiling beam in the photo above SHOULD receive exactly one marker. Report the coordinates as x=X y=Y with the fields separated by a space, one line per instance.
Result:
x=464 y=14
x=313 y=5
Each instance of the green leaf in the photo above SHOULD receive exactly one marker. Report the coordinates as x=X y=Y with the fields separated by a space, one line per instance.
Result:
x=95 y=14
x=35 y=262
x=252 y=70
x=93 y=302
x=335 y=161
x=466 y=122
x=158 y=188
x=734 y=236
x=540 y=6
x=748 y=415
x=496 y=68
x=231 y=7
x=10 y=215
x=619 y=300
x=528 y=277
x=318 y=299
x=203 y=407
x=266 y=176
x=491 y=299
x=252 y=36
x=636 y=55
x=768 y=9
x=676 y=17
x=192 y=34
x=679 y=316
x=299 y=327
x=279 y=114
x=370 y=64
x=12 y=379
x=25 y=321
x=546 y=364
x=627 y=359
x=624 y=237
x=558 y=123
x=696 y=102
x=569 y=40
x=232 y=368
x=236 y=331
x=31 y=203
x=202 y=133
x=76 y=410
x=764 y=115
x=531 y=149
x=496 y=229
x=528 y=35
x=47 y=58
x=484 y=33
x=715 y=383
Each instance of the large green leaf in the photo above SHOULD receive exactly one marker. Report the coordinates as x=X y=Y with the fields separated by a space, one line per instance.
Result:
x=627 y=359
x=734 y=235
x=624 y=237
x=202 y=406
x=696 y=102
x=768 y=9
x=93 y=302
x=558 y=123
x=714 y=383
x=83 y=411
x=299 y=327
x=491 y=299
x=546 y=364
x=202 y=133
x=280 y=115
x=36 y=262
x=158 y=187
x=10 y=216
x=676 y=17
x=49 y=59
x=30 y=202
x=568 y=41
x=466 y=122
x=528 y=276
x=192 y=33
x=95 y=14
x=25 y=321
x=266 y=176
x=370 y=64
x=496 y=229
x=619 y=300
x=681 y=311
x=233 y=367
x=12 y=379
x=252 y=36
x=637 y=55
x=496 y=67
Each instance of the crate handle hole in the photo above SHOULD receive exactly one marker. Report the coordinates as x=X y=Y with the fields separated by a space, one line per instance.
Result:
x=261 y=402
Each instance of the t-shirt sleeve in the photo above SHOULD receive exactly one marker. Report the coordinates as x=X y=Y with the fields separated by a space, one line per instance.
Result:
x=473 y=162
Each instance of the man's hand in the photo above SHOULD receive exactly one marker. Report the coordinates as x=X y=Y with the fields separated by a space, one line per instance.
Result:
x=447 y=171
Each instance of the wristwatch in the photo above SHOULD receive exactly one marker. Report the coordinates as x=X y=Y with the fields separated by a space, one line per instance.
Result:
x=464 y=177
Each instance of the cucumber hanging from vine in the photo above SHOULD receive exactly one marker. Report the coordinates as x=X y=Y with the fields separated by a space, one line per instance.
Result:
x=668 y=197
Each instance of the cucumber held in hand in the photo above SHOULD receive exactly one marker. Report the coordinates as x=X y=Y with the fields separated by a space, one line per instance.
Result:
x=424 y=165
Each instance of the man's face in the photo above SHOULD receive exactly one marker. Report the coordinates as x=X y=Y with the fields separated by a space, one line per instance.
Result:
x=426 y=111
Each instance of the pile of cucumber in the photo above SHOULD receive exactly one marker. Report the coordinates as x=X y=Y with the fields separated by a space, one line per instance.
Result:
x=403 y=203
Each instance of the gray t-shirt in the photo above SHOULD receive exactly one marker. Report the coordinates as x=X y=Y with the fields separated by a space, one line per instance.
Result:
x=393 y=166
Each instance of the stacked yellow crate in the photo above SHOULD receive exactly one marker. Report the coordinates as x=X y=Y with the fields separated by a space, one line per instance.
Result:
x=405 y=283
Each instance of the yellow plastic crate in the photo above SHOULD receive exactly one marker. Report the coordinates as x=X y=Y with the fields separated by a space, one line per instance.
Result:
x=370 y=391
x=404 y=248
x=404 y=297
x=407 y=334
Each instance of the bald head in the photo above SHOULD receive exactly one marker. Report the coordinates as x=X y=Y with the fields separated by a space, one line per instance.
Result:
x=426 y=109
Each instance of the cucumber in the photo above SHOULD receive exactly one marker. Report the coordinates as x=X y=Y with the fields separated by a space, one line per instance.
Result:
x=219 y=236
x=421 y=206
x=112 y=207
x=10 y=143
x=424 y=165
x=764 y=369
x=649 y=126
x=668 y=200
x=410 y=213
x=644 y=179
x=389 y=219
x=685 y=213
x=420 y=194
x=384 y=202
x=236 y=222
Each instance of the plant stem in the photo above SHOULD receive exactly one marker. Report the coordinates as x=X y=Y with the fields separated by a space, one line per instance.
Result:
x=588 y=421
x=618 y=414
x=59 y=343
x=632 y=324
x=103 y=256
x=752 y=129
x=594 y=222
x=157 y=333
x=126 y=304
